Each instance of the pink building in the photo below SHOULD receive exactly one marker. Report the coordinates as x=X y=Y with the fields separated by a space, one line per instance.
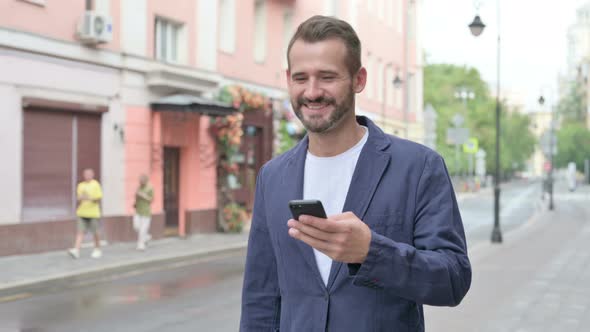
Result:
x=128 y=87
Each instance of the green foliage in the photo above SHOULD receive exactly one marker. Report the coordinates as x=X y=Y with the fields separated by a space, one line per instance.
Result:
x=286 y=141
x=572 y=107
x=573 y=138
x=517 y=143
x=573 y=144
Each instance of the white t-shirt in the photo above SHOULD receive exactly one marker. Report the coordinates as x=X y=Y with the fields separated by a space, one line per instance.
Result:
x=328 y=179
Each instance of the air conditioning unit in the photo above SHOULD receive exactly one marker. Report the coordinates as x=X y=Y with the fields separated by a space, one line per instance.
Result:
x=95 y=28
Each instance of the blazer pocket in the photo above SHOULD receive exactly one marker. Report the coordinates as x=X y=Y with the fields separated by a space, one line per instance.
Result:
x=381 y=222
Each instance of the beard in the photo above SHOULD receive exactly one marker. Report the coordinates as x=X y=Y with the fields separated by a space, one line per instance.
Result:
x=316 y=123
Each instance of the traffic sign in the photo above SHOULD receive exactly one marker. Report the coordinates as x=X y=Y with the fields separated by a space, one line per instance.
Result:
x=457 y=135
x=471 y=146
x=547 y=166
x=548 y=142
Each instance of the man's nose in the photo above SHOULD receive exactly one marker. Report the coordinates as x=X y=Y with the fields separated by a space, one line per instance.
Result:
x=313 y=90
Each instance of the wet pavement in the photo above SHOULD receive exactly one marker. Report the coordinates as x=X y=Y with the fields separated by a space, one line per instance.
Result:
x=204 y=296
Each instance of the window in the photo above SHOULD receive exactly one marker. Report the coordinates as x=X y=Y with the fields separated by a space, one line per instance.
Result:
x=380 y=80
x=287 y=33
x=331 y=7
x=380 y=9
x=389 y=86
x=370 y=6
x=260 y=31
x=411 y=17
x=227 y=25
x=389 y=12
x=167 y=45
x=398 y=15
x=399 y=94
x=352 y=13
x=370 y=77
x=411 y=93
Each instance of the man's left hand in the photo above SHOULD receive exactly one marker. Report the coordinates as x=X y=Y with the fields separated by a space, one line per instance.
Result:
x=342 y=237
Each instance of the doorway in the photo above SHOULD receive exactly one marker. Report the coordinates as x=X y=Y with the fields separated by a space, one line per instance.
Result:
x=171 y=189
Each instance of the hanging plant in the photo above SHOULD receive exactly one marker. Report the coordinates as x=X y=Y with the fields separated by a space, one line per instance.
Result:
x=228 y=132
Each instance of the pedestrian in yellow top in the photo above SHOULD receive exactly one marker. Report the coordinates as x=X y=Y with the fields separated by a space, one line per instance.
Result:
x=89 y=194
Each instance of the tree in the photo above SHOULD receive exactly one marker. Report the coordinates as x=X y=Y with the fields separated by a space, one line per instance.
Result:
x=517 y=142
x=572 y=107
x=573 y=144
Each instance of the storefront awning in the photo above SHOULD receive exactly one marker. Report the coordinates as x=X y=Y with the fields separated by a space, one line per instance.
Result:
x=192 y=104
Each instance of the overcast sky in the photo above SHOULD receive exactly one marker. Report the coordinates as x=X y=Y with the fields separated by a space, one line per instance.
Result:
x=533 y=41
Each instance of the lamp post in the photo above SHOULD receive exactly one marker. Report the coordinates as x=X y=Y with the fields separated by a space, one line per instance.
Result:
x=477 y=28
x=464 y=94
x=551 y=152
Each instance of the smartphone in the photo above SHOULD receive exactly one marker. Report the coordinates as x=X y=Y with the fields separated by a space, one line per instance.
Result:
x=310 y=207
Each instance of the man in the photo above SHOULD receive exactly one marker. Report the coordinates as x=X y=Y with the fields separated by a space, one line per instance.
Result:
x=89 y=194
x=393 y=239
x=143 y=211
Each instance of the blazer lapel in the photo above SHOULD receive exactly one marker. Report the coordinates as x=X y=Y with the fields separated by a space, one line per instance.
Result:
x=369 y=169
x=293 y=184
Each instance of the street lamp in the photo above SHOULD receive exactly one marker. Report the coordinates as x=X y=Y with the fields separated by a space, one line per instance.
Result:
x=396 y=82
x=477 y=28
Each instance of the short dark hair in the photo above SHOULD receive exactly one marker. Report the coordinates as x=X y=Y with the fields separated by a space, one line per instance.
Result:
x=320 y=28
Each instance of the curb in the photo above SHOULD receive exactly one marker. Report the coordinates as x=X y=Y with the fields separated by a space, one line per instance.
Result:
x=94 y=275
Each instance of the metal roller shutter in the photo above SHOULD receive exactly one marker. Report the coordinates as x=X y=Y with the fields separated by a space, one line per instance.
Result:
x=57 y=147
x=47 y=165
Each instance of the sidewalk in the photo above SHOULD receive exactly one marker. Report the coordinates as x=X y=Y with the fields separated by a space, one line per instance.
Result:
x=26 y=273
x=537 y=280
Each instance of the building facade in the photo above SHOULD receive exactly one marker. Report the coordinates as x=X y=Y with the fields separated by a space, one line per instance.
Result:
x=128 y=88
x=578 y=59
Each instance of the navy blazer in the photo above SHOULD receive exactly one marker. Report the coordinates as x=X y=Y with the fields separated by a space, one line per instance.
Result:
x=417 y=255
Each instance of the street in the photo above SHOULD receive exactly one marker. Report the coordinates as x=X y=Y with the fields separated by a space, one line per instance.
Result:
x=519 y=200
x=204 y=296
x=537 y=280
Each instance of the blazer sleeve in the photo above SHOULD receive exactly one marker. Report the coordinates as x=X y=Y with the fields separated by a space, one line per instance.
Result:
x=436 y=269
x=261 y=300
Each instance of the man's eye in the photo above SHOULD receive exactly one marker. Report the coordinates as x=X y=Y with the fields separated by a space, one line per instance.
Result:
x=299 y=79
x=328 y=78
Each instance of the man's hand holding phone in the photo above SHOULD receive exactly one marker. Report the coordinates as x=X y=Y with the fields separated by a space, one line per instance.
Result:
x=342 y=237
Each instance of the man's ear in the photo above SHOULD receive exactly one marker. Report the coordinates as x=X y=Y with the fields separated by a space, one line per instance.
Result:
x=360 y=80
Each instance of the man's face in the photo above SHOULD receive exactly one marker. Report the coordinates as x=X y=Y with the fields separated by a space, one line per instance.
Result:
x=320 y=86
x=88 y=174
